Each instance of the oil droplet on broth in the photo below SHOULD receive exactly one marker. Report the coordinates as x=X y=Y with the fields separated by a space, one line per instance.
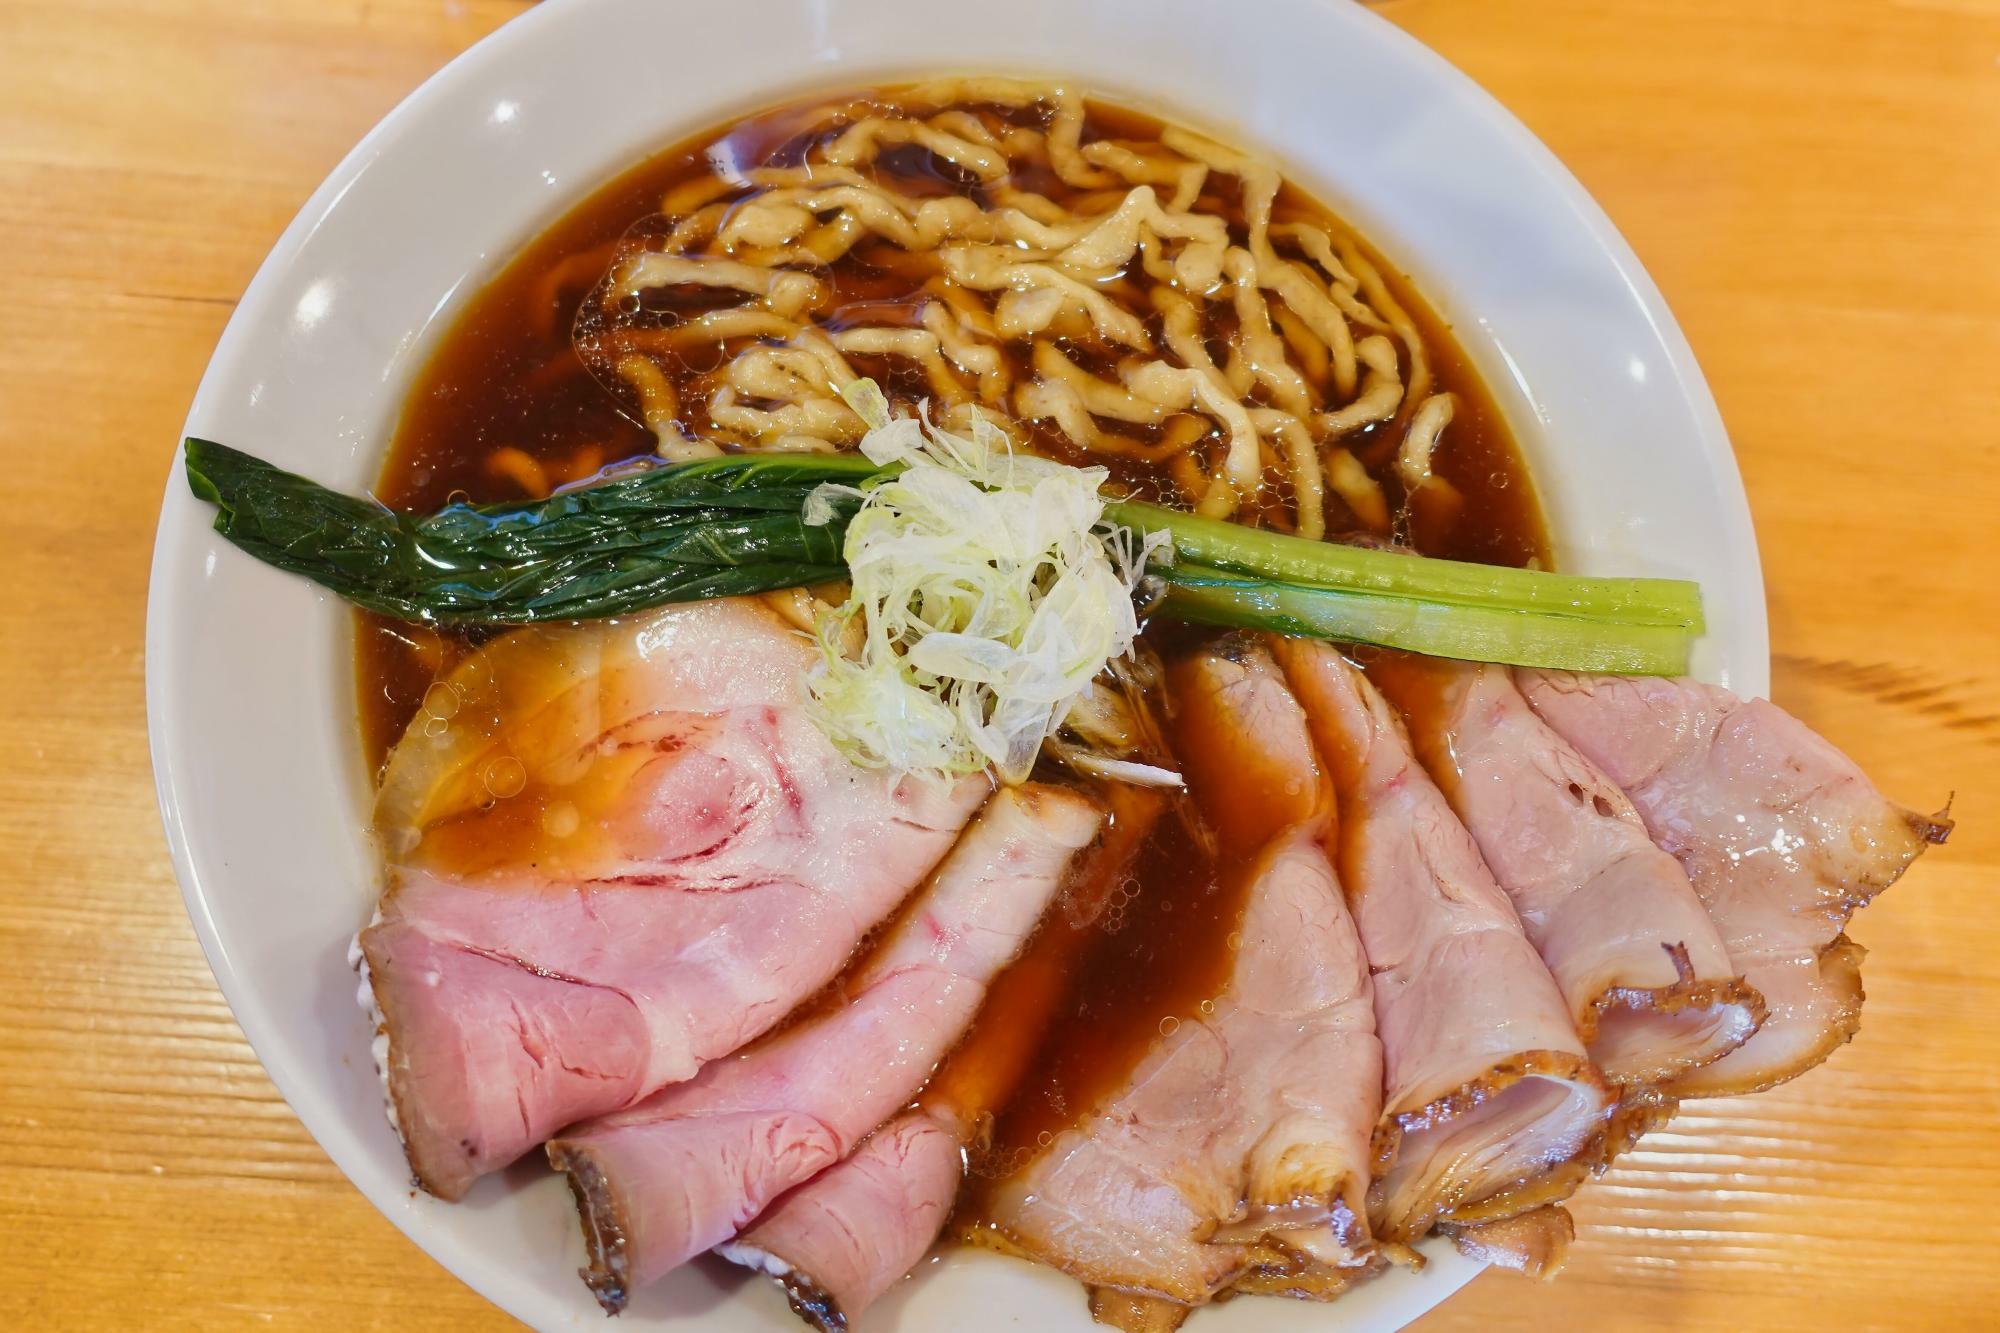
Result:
x=1169 y=1026
x=441 y=701
x=506 y=777
x=1207 y=1007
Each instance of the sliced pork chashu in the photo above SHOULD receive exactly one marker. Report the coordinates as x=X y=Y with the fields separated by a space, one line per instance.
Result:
x=616 y=852
x=1781 y=834
x=1492 y=1105
x=840 y=1240
x=688 y=1168
x=1232 y=1128
x=1243 y=1134
x=1534 y=1243
x=1647 y=979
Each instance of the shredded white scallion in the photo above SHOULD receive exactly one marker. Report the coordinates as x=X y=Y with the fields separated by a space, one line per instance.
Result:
x=989 y=595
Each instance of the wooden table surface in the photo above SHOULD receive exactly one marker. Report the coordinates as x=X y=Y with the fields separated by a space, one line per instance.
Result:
x=1812 y=182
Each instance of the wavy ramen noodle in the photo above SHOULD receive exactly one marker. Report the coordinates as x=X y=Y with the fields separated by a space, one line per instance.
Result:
x=1140 y=300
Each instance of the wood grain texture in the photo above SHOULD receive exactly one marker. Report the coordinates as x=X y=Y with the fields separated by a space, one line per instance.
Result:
x=1812 y=184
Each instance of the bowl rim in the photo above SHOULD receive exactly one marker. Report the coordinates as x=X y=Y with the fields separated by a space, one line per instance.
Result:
x=258 y=1022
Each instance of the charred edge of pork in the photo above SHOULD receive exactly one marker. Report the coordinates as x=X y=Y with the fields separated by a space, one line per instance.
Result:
x=602 y=1218
x=1536 y=1244
x=1933 y=828
x=1840 y=971
x=1548 y=1183
x=1639 y=1112
x=812 y=1302
x=1687 y=992
x=1135 y=1312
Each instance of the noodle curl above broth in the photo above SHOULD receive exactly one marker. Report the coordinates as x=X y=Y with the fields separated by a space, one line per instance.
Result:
x=975 y=243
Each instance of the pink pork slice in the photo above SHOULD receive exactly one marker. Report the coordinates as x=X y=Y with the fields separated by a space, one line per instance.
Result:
x=1236 y=1133
x=1242 y=1138
x=1648 y=982
x=836 y=1243
x=1493 y=1106
x=688 y=1168
x=617 y=851
x=1782 y=835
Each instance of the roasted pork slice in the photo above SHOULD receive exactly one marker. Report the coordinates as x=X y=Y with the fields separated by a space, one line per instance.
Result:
x=1259 y=783
x=616 y=852
x=1493 y=1106
x=1136 y=1312
x=1534 y=1243
x=1243 y=1134
x=1648 y=982
x=1244 y=747
x=688 y=1168
x=840 y=1240
x=1781 y=834
x=1243 y=1123
x=843 y=1238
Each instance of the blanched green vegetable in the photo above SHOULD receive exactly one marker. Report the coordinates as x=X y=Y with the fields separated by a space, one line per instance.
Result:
x=714 y=528
x=738 y=524
x=1272 y=555
x=1438 y=629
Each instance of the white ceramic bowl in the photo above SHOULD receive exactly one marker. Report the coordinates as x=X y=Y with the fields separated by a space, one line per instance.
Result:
x=249 y=679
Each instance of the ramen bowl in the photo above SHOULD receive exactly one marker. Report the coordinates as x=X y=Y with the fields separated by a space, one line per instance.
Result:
x=250 y=679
